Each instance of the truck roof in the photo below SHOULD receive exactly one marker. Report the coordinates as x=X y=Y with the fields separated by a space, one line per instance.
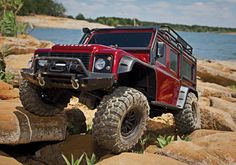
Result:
x=164 y=30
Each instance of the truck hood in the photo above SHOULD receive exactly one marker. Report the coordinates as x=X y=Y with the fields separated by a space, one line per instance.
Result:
x=83 y=47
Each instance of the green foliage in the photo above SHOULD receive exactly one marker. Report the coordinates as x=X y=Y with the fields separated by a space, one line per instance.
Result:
x=80 y=17
x=46 y=7
x=165 y=140
x=144 y=142
x=8 y=24
x=22 y=28
x=233 y=87
x=89 y=161
x=89 y=129
x=73 y=162
x=11 y=5
x=8 y=16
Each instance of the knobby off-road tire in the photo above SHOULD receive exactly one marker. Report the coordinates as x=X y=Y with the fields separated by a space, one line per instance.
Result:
x=188 y=119
x=33 y=99
x=120 y=120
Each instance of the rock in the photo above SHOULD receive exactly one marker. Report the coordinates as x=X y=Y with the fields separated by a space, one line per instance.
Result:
x=204 y=132
x=7 y=92
x=213 y=118
x=204 y=101
x=217 y=149
x=225 y=106
x=217 y=72
x=74 y=144
x=136 y=159
x=7 y=160
x=19 y=127
x=214 y=90
x=76 y=121
x=15 y=63
x=163 y=124
x=88 y=113
x=5 y=86
x=152 y=149
x=23 y=44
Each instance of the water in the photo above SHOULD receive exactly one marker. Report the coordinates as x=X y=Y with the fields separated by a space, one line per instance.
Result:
x=205 y=45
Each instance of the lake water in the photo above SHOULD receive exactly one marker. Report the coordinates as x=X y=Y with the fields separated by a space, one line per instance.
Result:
x=205 y=45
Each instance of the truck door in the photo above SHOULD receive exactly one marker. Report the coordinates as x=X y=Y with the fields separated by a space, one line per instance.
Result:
x=167 y=75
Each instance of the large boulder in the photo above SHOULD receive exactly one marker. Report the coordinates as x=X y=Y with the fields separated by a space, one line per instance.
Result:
x=19 y=127
x=7 y=160
x=214 y=118
x=224 y=105
x=164 y=124
x=74 y=144
x=217 y=148
x=23 y=44
x=206 y=89
x=135 y=159
x=7 y=91
x=223 y=73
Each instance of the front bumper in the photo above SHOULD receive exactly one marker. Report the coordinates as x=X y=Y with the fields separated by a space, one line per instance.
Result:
x=72 y=75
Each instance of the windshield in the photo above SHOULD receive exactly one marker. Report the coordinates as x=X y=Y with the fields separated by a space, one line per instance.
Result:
x=130 y=39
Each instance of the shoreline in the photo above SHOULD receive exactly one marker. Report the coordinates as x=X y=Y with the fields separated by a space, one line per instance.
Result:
x=43 y=21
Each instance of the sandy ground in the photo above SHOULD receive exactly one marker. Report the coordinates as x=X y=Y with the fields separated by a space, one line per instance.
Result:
x=58 y=22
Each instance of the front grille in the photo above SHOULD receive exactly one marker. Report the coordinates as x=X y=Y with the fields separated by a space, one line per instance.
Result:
x=84 y=57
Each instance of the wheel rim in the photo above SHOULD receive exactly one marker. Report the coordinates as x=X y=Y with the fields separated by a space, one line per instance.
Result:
x=130 y=123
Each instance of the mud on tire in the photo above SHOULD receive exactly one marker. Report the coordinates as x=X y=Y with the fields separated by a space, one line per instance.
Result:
x=120 y=120
x=42 y=102
x=188 y=119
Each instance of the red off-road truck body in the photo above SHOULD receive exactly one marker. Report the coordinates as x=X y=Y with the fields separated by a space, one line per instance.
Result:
x=125 y=73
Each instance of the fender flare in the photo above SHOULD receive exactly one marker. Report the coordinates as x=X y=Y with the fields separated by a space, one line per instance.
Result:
x=183 y=93
x=126 y=64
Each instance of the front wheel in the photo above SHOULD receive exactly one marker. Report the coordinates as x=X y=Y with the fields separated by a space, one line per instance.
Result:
x=43 y=101
x=188 y=119
x=120 y=120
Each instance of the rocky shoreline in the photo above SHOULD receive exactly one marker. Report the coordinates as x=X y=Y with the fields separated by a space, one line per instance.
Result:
x=213 y=144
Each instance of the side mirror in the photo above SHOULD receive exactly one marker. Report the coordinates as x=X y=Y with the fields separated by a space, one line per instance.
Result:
x=86 y=30
x=160 y=49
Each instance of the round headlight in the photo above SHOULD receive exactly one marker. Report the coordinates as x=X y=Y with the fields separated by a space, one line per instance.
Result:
x=42 y=62
x=100 y=64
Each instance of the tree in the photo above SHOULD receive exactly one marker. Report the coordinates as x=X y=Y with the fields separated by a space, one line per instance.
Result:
x=8 y=16
x=80 y=16
x=46 y=7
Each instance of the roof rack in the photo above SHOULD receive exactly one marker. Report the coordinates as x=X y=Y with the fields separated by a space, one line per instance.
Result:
x=175 y=38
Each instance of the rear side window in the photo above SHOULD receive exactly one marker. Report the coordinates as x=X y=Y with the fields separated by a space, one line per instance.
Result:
x=162 y=52
x=187 y=69
x=173 y=61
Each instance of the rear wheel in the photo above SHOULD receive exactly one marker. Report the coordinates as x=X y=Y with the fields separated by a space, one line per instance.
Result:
x=43 y=101
x=188 y=119
x=120 y=120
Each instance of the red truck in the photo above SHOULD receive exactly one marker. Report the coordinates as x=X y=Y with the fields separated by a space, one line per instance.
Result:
x=126 y=73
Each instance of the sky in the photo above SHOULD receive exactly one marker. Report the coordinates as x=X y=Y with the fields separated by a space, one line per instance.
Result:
x=206 y=12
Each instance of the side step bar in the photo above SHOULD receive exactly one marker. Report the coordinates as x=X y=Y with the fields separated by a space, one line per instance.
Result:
x=163 y=105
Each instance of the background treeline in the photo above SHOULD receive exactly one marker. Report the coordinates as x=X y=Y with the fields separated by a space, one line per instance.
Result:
x=51 y=7
x=46 y=7
x=115 y=21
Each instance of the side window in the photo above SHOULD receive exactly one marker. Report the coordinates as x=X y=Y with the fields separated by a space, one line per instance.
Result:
x=162 y=51
x=173 y=61
x=187 y=69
